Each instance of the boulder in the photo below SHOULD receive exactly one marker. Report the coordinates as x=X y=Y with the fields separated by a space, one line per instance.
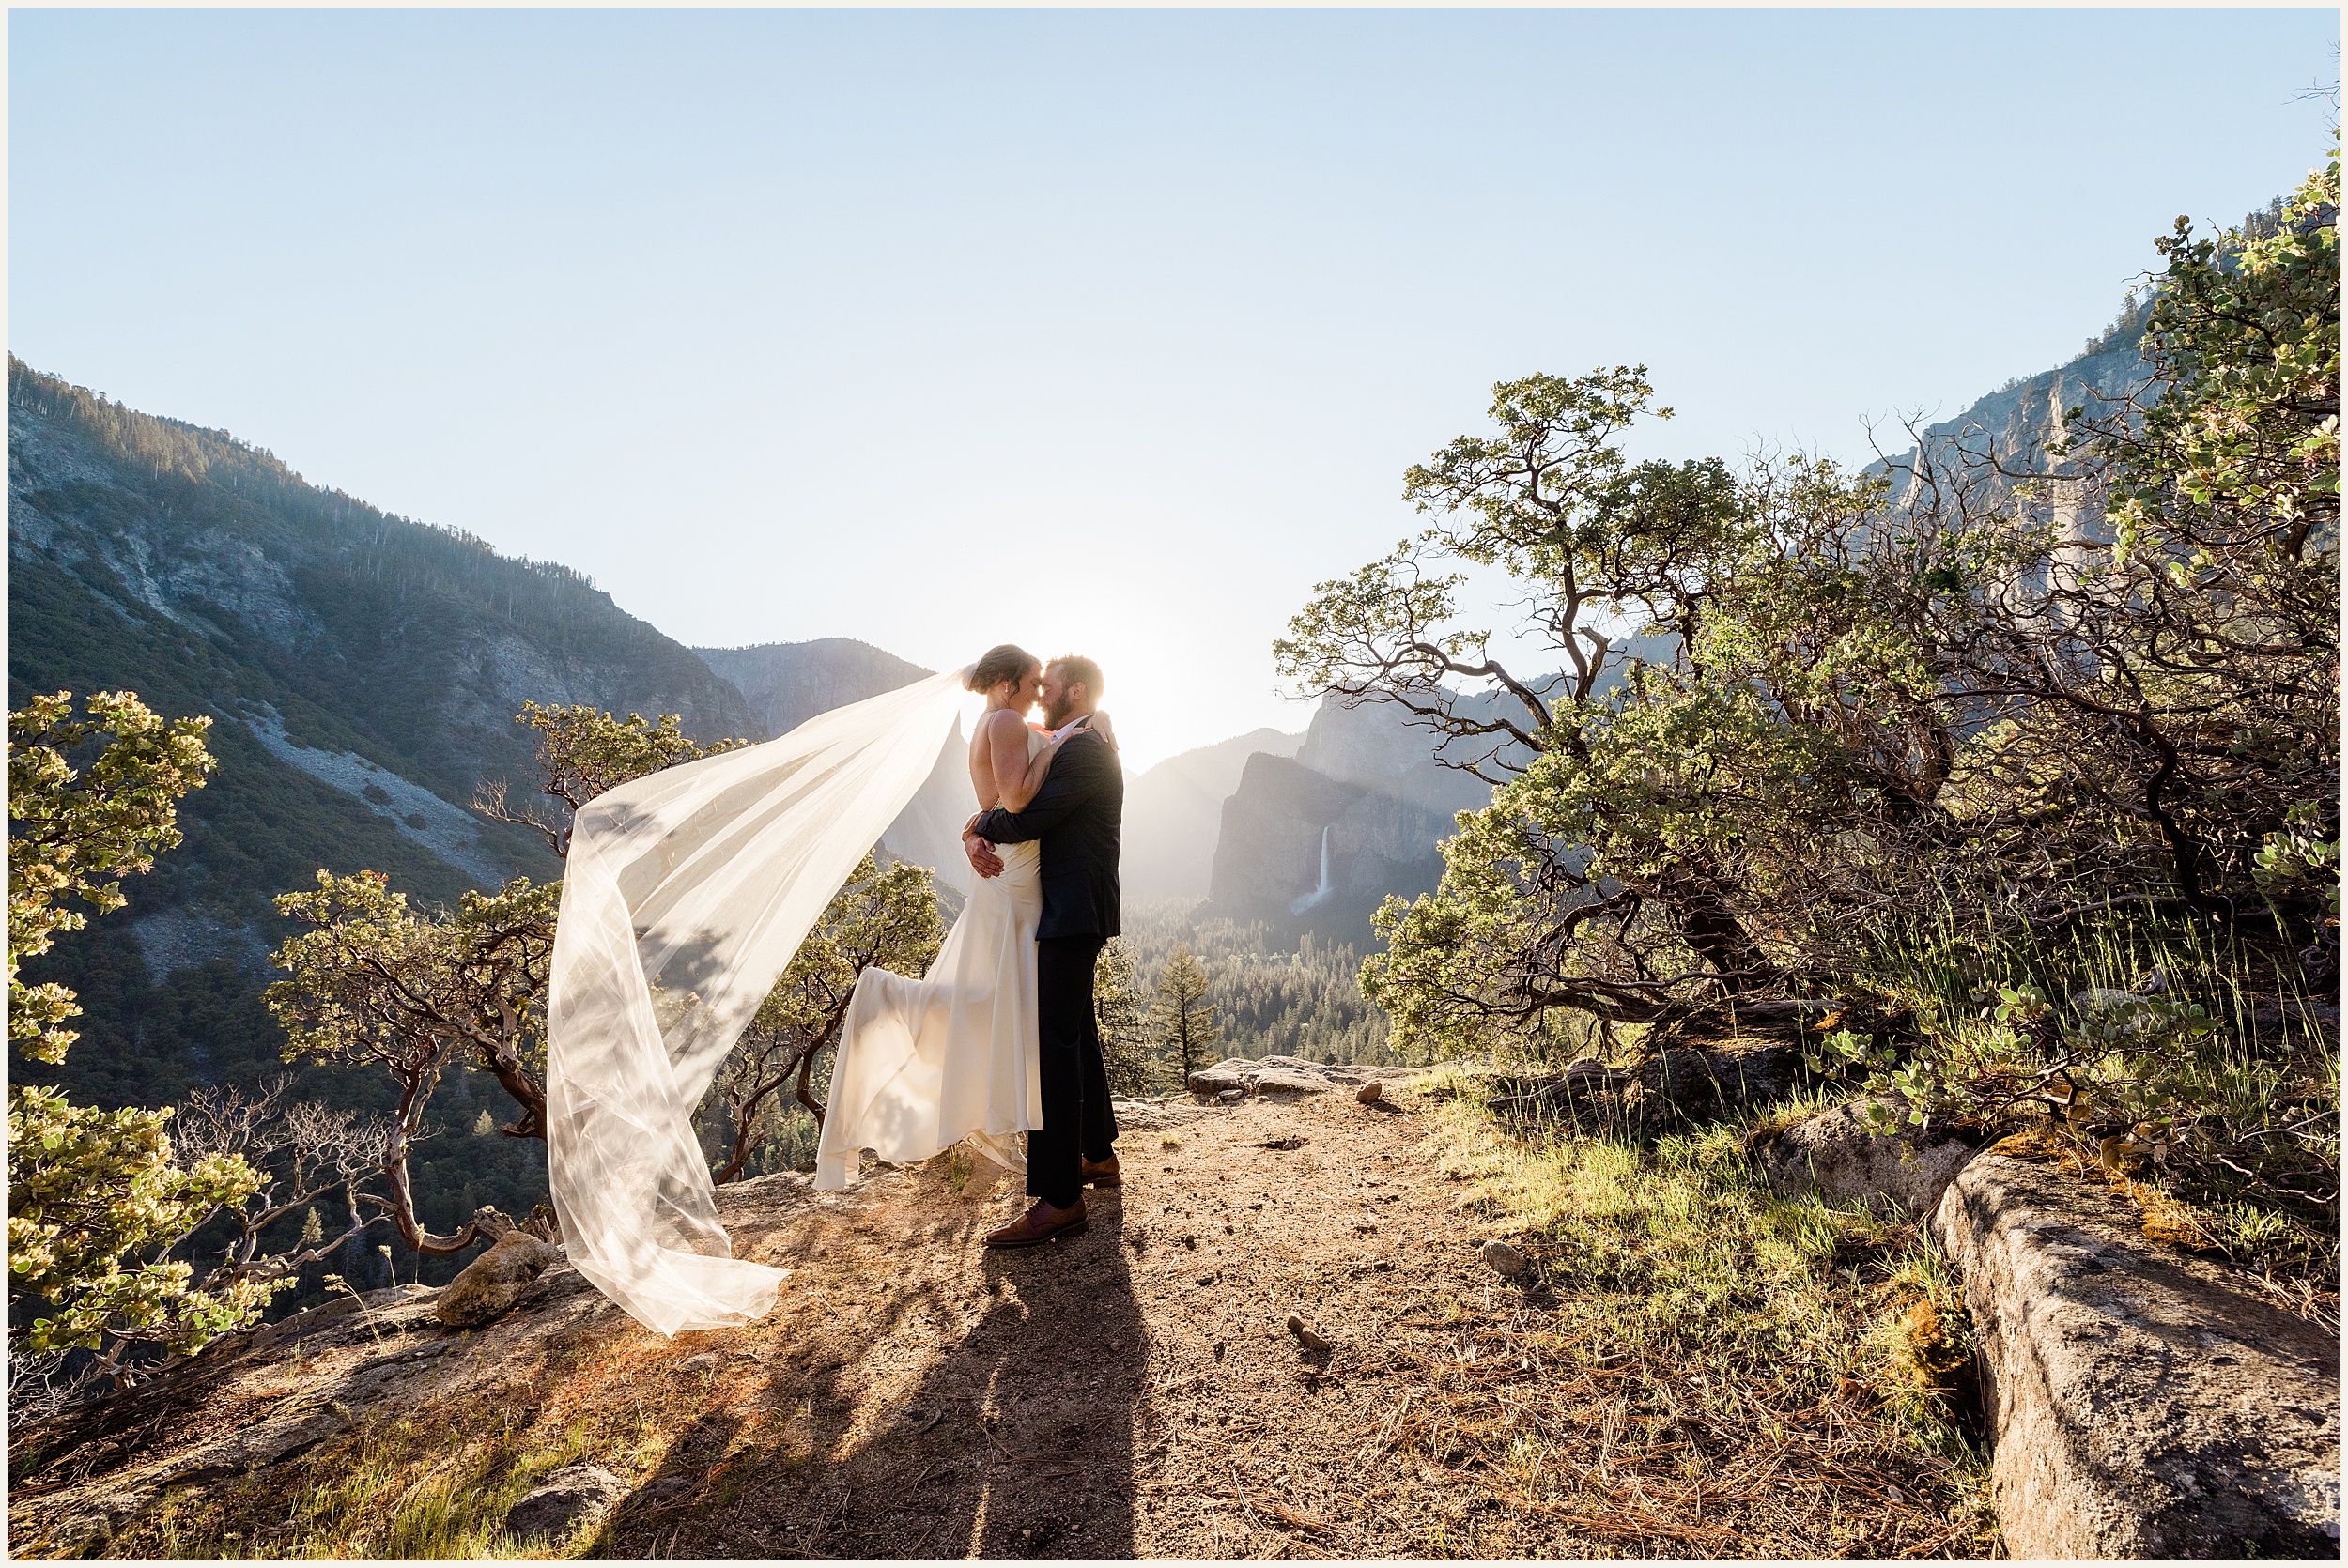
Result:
x=1290 y=1075
x=490 y=1285
x=1330 y=1072
x=2143 y=1403
x=564 y=1501
x=2288 y=1016
x=1704 y=1081
x=1582 y=1081
x=1836 y=1155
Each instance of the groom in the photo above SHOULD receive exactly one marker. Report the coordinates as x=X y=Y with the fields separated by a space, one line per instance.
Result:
x=1076 y=816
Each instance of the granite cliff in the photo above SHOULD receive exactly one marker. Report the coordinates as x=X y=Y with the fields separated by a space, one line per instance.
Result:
x=1174 y=813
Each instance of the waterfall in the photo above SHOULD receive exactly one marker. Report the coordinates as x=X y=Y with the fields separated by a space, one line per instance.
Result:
x=1319 y=894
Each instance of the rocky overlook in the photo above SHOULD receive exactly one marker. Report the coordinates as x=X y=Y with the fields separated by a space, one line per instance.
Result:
x=1286 y=1334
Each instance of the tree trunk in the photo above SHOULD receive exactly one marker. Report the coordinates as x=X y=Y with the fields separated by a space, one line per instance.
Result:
x=506 y=1064
x=401 y=1205
x=1711 y=929
x=806 y=1094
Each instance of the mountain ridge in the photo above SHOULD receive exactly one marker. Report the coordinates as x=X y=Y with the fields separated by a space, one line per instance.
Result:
x=362 y=672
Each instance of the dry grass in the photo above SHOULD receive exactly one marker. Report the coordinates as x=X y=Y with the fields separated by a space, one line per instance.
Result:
x=1765 y=1376
x=435 y=1483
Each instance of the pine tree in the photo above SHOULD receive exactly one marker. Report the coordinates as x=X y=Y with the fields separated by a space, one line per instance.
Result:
x=1184 y=1021
x=1133 y=1066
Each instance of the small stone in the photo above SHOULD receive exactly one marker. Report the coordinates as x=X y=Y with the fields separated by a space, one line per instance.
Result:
x=1232 y=1093
x=663 y=1490
x=1503 y=1260
x=560 y=1503
x=694 y=1364
x=1305 y=1336
x=1370 y=1093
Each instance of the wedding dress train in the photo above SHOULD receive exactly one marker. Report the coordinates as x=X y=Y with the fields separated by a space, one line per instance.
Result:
x=925 y=1064
x=686 y=894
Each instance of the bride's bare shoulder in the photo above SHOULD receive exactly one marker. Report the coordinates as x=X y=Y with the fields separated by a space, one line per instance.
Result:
x=997 y=723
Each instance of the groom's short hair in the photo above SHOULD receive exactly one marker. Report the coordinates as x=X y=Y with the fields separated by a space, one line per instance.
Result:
x=1075 y=669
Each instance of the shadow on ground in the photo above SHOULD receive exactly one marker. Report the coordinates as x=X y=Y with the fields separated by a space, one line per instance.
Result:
x=921 y=1397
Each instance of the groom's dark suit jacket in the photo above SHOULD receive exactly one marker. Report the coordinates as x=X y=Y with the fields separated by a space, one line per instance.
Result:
x=1077 y=817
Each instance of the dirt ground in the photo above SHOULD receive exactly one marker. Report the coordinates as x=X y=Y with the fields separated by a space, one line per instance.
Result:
x=1136 y=1391
x=1130 y=1392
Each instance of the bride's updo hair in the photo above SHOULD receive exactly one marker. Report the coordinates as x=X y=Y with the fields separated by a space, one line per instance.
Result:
x=1006 y=661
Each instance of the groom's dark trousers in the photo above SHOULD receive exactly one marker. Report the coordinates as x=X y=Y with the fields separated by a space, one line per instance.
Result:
x=1076 y=818
x=1077 y=1122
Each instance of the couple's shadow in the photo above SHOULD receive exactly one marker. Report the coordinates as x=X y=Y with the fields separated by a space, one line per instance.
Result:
x=1018 y=1437
x=1061 y=1354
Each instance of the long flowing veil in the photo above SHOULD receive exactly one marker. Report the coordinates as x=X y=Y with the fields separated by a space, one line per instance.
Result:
x=686 y=893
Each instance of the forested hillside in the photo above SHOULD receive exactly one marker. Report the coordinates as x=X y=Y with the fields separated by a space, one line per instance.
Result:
x=1273 y=994
x=362 y=672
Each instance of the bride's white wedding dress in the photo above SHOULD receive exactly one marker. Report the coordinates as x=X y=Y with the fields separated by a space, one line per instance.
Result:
x=925 y=1064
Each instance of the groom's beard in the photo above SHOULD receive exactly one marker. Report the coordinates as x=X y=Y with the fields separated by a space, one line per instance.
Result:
x=1055 y=714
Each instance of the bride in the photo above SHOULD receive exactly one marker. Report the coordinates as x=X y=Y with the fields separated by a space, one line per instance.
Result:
x=925 y=1062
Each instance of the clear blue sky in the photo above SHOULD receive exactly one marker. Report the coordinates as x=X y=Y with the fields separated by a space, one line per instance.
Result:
x=1101 y=331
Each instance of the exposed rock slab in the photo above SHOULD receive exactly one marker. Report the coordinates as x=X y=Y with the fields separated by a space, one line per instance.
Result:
x=346 y=1359
x=564 y=1501
x=1836 y=1155
x=1154 y=1115
x=1288 y=1081
x=2144 y=1404
x=266 y=1444
x=1291 y=1075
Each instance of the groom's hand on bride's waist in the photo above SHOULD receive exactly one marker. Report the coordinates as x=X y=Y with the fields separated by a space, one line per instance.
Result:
x=983 y=859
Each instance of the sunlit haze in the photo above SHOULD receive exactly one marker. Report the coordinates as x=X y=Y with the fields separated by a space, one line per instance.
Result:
x=1097 y=331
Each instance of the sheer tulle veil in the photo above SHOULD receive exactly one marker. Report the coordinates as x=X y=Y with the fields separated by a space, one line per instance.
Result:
x=686 y=893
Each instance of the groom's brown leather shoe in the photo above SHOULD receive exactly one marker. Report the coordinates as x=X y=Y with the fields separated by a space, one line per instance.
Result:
x=1041 y=1223
x=1103 y=1173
